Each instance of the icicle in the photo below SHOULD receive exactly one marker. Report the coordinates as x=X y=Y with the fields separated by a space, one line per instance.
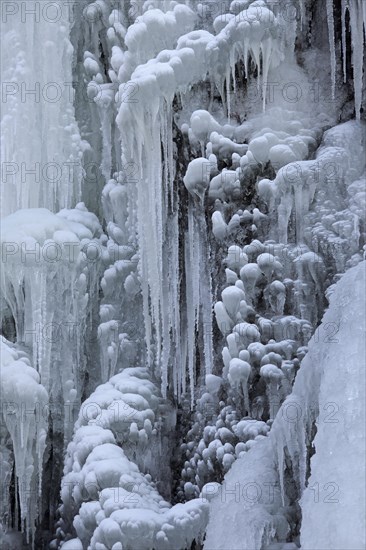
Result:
x=191 y=314
x=150 y=139
x=344 y=40
x=228 y=93
x=205 y=291
x=255 y=49
x=232 y=65
x=245 y=56
x=266 y=48
x=357 y=12
x=300 y=207
x=330 y=19
x=56 y=140
x=174 y=297
x=302 y=12
x=47 y=298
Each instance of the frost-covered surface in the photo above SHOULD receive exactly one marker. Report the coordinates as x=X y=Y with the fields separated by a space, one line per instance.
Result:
x=255 y=503
x=221 y=164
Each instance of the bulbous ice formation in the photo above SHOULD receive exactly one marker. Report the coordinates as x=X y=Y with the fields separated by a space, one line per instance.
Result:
x=197 y=178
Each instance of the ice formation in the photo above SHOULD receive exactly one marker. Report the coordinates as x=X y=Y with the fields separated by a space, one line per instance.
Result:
x=48 y=281
x=172 y=72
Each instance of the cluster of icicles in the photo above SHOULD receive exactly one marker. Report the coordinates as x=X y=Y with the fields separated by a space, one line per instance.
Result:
x=357 y=16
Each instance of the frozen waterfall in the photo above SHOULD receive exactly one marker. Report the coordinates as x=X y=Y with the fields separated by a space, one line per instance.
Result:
x=183 y=237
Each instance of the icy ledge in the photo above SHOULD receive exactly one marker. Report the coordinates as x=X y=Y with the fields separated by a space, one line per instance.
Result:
x=260 y=494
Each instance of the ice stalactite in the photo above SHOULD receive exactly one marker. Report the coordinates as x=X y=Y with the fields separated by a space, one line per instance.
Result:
x=357 y=13
x=302 y=11
x=25 y=418
x=151 y=211
x=267 y=515
x=252 y=33
x=126 y=46
x=46 y=170
x=198 y=292
x=150 y=222
x=344 y=40
x=332 y=44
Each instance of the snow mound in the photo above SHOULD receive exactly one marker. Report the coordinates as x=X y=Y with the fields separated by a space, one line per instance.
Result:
x=104 y=492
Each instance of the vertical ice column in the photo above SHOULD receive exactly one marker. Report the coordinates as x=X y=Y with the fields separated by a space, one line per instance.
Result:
x=357 y=12
x=344 y=42
x=333 y=64
x=41 y=148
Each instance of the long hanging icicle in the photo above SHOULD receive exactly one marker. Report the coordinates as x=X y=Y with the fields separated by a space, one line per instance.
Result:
x=302 y=12
x=330 y=19
x=357 y=12
x=344 y=41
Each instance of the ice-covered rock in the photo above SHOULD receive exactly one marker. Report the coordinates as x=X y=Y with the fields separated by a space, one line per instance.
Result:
x=258 y=520
x=112 y=500
x=24 y=418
